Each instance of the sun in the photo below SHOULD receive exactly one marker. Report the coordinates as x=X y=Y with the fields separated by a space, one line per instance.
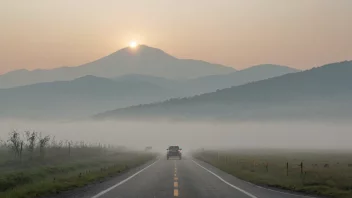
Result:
x=133 y=44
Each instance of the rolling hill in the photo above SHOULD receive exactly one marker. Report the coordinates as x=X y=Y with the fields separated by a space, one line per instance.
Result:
x=76 y=98
x=88 y=95
x=319 y=93
x=160 y=81
x=212 y=83
x=143 y=60
x=260 y=72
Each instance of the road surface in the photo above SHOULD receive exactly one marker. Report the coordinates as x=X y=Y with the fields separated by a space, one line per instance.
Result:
x=187 y=178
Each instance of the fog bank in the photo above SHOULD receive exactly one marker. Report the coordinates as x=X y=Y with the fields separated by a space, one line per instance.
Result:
x=295 y=135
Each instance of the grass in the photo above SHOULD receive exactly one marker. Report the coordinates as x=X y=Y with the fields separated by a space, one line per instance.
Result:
x=325 y=174
x=56 y=166
x=53 y=180
x=46 y=180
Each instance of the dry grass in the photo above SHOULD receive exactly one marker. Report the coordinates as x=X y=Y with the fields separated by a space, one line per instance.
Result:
x=327 y=174
x=59 y=166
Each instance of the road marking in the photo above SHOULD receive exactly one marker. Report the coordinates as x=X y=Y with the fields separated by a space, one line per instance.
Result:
x=175 y=192
x=284 y=193
x=233 y=186
x=276 y=191
x=123 y=181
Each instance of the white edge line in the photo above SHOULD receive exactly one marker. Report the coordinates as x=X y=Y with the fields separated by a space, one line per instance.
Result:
x=233 y=186
x=123 y=181
x=277 y=191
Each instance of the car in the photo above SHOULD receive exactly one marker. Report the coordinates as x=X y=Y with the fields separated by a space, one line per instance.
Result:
x=174 y=151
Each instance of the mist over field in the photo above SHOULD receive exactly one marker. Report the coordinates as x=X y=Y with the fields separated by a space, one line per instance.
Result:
x=194 y=135
x=162 y=99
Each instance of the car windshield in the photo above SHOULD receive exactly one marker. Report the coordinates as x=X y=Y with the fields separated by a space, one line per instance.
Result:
x=174 y=148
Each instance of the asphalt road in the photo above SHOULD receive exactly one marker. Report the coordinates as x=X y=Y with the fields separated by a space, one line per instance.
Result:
x=185 y=178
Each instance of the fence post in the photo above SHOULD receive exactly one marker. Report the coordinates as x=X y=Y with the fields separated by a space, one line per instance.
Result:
x=301 y=165
x=267 y=167
x=286 y=168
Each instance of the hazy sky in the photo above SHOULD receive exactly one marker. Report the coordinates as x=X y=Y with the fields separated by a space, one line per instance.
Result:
x=238 y=33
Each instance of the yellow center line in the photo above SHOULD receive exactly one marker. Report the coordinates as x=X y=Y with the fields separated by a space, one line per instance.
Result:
x=175 y=192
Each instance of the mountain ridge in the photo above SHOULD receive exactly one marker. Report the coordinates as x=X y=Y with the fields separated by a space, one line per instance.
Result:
x=96 y=94
x=142 y=60
x=280 y=97
x=76 y=98
x=255 y=73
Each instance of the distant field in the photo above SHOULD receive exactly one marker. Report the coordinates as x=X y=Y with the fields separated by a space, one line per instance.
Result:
x=59 y=166
x=323 y=173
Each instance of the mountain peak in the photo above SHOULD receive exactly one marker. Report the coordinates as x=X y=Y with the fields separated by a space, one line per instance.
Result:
x=141 y=50
x=90 y=78
x=272 y=67
x=142 y=59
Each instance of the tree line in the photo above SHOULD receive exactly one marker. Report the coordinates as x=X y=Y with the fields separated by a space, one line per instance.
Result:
x=32 y=144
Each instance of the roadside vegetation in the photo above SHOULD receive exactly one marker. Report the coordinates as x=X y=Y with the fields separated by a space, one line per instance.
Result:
x=33 y=165
x=328 y=174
